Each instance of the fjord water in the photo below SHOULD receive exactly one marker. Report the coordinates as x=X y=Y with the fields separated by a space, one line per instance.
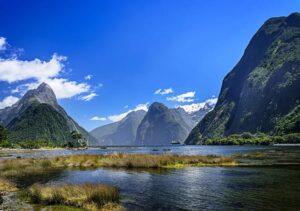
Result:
x=274 y=187
x=180 y=150
x=207 y=188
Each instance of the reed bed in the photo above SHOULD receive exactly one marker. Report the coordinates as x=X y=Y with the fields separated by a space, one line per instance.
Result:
x=7 y=186
x=87 y=196
x=13 y=167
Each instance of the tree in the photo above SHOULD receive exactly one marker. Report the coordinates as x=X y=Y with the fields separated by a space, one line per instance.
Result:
x=78 y=139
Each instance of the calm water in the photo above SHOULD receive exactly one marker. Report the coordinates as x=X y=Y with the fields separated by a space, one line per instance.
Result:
x=200 y=188
x=206 y=188
x=186 y=150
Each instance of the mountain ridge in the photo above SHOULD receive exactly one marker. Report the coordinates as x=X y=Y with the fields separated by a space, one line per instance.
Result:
x=267 y=72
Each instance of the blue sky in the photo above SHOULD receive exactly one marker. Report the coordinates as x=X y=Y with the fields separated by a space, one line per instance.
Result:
x=130 y=49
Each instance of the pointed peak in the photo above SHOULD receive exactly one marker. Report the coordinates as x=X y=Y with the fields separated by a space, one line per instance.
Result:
x=43 y=94
x=43 y=85
x=157 y=104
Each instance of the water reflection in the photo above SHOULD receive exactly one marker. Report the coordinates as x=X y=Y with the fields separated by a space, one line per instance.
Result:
x=206 y=188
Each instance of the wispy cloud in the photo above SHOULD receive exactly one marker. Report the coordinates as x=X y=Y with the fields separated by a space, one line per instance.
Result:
x=164 y=91
x=183 y=98
x=88 y=97
x=88 y=77
x=8 y=101
x=118 y=117
x=97 y=118
x=2 y=43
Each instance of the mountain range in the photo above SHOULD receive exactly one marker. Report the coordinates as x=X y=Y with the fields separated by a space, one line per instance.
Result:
x=38 y=116
x=121 y=133
x=160 y=125
x=262 y=92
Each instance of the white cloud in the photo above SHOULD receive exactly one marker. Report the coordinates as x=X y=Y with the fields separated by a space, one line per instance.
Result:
x=118 y=117
x=190 y=108
x=163 y=91
x=8 y=101
x=2 y=43
x=183 y=98
x=13 y=69
x=88 y=77
x=88 y=97
x=63 y=88
x=212 y=101
x=97 y=118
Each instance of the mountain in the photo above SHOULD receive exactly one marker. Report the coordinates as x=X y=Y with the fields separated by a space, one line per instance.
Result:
x=122 y=133
x=162 y=125
x=261 y=93
x=38 y=116
x=197 y=111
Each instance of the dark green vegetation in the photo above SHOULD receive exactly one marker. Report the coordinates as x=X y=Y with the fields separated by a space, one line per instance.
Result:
x=38 y=117
x=261 y=93
x=256 y=139
x=75 y=142
x=40 y=121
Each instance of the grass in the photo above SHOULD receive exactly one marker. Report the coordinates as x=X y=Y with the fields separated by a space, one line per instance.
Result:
x=27 y=171
x=23 y=173
x=7 y=186
x=123 y=160
x=24 y=167
x=87 y=196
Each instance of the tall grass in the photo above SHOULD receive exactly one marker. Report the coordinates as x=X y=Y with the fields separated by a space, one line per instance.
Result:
x=7 y=186
x=87 y=196
x=14 y=167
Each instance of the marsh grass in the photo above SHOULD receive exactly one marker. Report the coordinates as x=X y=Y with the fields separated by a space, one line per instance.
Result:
x=7 y=186
x=25 y=172
x=26 y=167
x=86 y=196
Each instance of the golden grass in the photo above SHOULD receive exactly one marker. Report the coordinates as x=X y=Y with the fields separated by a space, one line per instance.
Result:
x=88 y=196
x=7 y=186
x=123 y=160
x=24 y=167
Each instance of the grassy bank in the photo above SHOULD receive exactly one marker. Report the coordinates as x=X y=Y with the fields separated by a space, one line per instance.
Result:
x=87 y=196
x=13 y=167
x=7 y=186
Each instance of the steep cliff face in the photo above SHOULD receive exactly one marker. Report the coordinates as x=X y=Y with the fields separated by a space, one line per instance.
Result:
x=162 y=125
x=262 y=90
